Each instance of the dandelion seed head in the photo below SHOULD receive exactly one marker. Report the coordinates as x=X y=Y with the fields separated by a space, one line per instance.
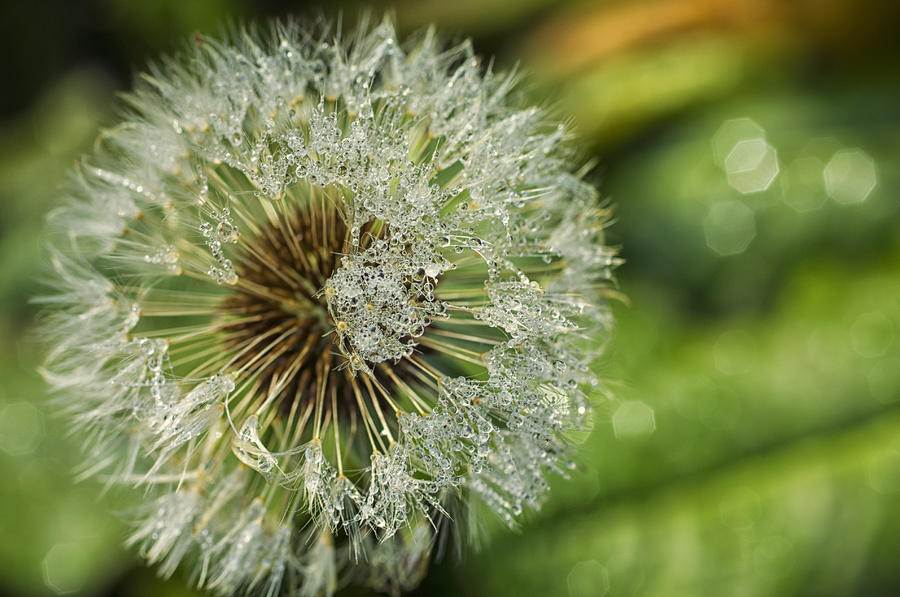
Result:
x=315 y=292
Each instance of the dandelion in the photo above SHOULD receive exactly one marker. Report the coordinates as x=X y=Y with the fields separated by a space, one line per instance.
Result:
x=320 y=295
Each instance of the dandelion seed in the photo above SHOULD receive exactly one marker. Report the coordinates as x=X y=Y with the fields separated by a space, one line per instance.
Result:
x=317 y=295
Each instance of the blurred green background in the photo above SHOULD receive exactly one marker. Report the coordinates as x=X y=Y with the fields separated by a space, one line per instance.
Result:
x=747 y=441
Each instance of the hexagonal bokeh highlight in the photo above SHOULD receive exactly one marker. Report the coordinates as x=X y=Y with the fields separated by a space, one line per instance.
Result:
x=733 y=132
x=589 y=578
x=804 y=191
x=633 y=418
x=63 y=568
x=751 y=166
x=729 y=227
x=21 y=428
x=850 y=176
x=871 y=334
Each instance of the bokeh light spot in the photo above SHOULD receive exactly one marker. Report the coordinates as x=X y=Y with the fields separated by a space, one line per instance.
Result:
x=850 y=176
x=633 y=418
x=21 y=428
x=64 y=568
x=731 y=133
x=588 y=579
x=730 y=227
x=871 y=334
x=751 y=166
x=804 y=190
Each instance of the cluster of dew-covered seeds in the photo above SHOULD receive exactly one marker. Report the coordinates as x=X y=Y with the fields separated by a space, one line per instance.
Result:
x=314 y=293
